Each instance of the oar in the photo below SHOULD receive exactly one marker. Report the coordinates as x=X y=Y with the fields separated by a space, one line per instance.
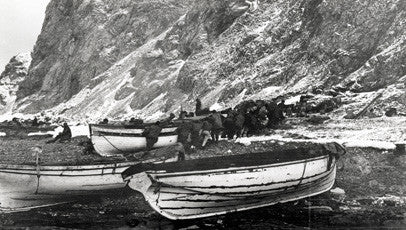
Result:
x=37 y=150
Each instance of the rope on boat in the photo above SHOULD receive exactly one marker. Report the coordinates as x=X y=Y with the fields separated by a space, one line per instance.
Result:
x=112 y=144
x=37 y=167
x=304 y=171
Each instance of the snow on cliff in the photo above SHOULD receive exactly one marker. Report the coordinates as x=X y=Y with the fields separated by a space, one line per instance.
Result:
x=116 y=59
x=15 y=72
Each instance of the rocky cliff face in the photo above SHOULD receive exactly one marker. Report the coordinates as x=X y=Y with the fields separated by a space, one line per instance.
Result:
x=109 y=58
x=81 y=39
x=10 y=79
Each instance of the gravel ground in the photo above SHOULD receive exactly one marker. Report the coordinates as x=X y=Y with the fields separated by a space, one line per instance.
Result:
x=373 y=181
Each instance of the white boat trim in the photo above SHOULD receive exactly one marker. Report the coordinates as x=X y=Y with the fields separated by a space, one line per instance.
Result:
x=23 y=187
x=109 y=140
x=201 y=191
x=162 y=174
x=172 y=217
x=113 y=145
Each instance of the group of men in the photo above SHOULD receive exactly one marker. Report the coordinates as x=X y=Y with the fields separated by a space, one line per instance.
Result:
x=247 y=118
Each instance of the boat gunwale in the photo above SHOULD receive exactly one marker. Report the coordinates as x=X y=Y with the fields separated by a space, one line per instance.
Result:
x=26 y=167
x=252 y=185
x=162 y=174
x=139 y=135
x=286 y=156
x=141 y=126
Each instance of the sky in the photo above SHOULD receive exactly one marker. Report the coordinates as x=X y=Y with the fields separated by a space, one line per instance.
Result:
x=20 y=25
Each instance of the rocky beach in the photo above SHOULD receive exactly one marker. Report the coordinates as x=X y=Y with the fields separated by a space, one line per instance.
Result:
x=300 y=72
x=370 y=188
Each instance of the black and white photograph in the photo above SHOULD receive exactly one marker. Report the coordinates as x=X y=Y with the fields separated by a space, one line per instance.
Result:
x=203 y=114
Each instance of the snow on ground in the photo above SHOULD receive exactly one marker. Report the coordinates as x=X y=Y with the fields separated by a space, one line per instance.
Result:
x=9 y=117
x=381 y=133
x=77 y=130
x=345 y=142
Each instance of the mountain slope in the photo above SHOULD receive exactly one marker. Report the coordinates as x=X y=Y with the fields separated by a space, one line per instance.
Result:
x=220 y=51
x=81 y=39
x=15 y=72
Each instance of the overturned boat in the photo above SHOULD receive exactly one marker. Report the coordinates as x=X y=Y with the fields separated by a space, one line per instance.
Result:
x=109 y=140
x=218 y=185
x=23 y=187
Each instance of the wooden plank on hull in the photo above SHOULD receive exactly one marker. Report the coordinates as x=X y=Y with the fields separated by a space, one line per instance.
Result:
x=182 y=212
x=217 y=185
x=111 y=145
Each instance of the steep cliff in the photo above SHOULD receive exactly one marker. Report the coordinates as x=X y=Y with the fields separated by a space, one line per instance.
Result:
x=81 y=39
x=115 y=58
x=10 y=79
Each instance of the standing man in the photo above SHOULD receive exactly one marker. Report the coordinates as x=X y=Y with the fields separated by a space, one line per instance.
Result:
x=198 y=107
x=217 y=125
x=151 y=134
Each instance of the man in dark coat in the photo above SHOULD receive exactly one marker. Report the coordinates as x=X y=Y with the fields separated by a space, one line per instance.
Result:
x=229 y=125
x=168 y=121
x=217 y=123
x=65 y=135
x=196 y=131
x=198 y=107
x=152 y=133
x=184 y=131
x=206 y=131
x=275 y=113
x=251 y=122
x=35 y=122
x=239 y=120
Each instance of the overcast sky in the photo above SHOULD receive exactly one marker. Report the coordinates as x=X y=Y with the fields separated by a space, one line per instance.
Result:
x=20 y=25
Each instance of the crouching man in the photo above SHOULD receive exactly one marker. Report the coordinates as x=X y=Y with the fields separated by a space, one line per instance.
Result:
x=64 y=136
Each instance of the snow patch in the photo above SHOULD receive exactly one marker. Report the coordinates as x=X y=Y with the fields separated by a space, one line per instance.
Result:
x=268 y=93
x=368 y=143
x=217 y=106
x=293 y=100
x=77 y=130
x=347 y=143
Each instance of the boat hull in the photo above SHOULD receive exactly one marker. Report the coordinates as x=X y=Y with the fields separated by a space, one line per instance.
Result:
x=197 y=194
x=23 y=187
x=110 y=141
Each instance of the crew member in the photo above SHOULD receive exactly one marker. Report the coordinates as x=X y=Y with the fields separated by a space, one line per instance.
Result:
x=151 y=134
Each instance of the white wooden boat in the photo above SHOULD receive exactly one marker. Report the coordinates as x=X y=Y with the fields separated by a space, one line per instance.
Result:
x=218 y=185
x=109 y=140
x=23 y=187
